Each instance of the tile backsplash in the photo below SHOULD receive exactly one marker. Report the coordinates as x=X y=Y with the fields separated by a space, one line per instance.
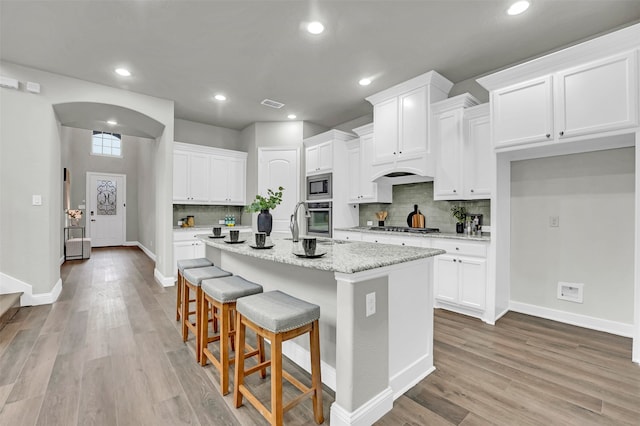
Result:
x=206 y=215
x=437 y=213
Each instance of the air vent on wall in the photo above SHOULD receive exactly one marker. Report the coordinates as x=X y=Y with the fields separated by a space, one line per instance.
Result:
x=272 y=103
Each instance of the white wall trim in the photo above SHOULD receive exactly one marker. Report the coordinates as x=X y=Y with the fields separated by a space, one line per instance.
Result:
x=411 y=376
x=302 y=357
x=162 y=280
x=61 y=260
x=146 y=251
x=599 y=324
x=366 y=414
x=9 y=284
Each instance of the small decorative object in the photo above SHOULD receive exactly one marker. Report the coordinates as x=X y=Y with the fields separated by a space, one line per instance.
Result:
x=74 y=216
x=381 y=215
x=460 y=213
x=263 y=205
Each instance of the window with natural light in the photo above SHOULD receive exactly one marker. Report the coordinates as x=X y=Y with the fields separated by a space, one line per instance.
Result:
x=108 y=144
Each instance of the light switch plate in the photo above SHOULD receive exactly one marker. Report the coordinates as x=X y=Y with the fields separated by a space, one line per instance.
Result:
x=371 y=304
x=36 y=200
x=82 y=206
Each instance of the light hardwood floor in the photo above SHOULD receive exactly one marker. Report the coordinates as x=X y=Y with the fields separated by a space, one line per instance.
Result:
x=109 y=352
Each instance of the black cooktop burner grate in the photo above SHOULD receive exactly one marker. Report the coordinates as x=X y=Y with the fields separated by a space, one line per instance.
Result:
x=405 y=229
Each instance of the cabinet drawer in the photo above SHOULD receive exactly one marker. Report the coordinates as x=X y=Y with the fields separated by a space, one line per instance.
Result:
x=466 y=248
x=189 y=235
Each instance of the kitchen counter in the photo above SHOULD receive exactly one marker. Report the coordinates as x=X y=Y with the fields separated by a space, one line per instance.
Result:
x=445 y=235
x=209 y=228
x=376 y=314
x=342 y=256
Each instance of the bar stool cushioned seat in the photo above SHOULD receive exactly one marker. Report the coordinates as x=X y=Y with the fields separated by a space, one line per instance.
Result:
x=277 y=311
x=192 y=280
x=278 y=317
x=183 y=264
x=221 y=294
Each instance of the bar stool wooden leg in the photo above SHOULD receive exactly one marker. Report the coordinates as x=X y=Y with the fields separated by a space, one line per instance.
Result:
x=277 y=415
x=185 y=311
x=238 y=377
x=316 y=384
x=179 y=296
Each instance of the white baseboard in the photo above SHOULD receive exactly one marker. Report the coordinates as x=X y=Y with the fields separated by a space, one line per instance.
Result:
x=162 y=280
x=365 y=415
x=301 y=356
x=608 y=326
x=61 y=260
x=9 y=284
x=146 y=251
x=411 y=376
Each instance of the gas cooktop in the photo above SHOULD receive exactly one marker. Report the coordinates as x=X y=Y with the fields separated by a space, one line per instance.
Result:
x=405 y=229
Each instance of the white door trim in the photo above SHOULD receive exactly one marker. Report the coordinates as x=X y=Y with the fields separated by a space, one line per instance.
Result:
x=88 y=197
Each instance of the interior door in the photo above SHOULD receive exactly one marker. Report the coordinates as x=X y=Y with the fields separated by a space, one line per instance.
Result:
x=106 y=204
x=280 y=167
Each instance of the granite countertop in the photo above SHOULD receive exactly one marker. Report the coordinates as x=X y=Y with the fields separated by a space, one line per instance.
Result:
x=342 y=256
x=445 y=235
x=209 y=228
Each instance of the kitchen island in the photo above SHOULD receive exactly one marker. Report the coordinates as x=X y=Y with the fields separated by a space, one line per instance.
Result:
x=376 y=320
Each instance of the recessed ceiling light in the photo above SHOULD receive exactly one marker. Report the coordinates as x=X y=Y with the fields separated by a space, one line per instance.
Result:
x=364 y=82
x=123 y=72
x=315 y=27
x=291 y=116
x=518 y=7
x=112 y=122
x=220 y=97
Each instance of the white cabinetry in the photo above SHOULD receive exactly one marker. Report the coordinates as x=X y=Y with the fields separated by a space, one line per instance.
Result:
x=347 y=235
x=464 y=156
x=190 y=177
x=205 y=175
x=401 y=141
x=186 y=245
x=319 y=158
x=461 y=276
x=360 y=156
x=228 y=184
x=596 y=97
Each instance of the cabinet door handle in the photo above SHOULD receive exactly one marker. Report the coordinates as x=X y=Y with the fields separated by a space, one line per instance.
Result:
x=454 y=260
x=472 y=190
x=562 y=133
x=400 y=152
x=454 y=191
x=548 y=135
x=457 y=248
x=394 y=153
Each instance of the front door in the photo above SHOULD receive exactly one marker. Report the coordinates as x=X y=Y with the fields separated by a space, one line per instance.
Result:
x=280 y=167
x=106 y=208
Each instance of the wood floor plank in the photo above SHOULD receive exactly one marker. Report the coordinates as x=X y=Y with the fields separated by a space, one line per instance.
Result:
x=161 y=379
x=133 y=402
x=176 y=411
x=408 y=412
x=23 y=412
x=97 y=401
x=57 y=319
x=34 y=376
x=74 y=336
x=15 y=356
x=60 y=405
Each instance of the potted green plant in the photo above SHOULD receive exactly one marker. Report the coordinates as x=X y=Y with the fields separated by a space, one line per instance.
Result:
x=263 y=205
x=460 y=213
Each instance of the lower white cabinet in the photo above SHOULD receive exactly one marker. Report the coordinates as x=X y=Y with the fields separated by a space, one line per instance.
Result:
x=461 y=277
x=186 y=245
x=347 y=235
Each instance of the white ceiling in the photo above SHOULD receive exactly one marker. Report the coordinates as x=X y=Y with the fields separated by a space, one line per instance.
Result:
x=250 y=50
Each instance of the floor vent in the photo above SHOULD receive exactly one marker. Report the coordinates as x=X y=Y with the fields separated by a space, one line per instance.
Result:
x=272 y=103
x=571 y=292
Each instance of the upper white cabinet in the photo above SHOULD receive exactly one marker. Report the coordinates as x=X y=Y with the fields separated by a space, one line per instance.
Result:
x=190 y=177
x=205 y=175
x=598 y=96
x=319 y=158
x=401 y=116
x=595 y=97
x=360 y=156
x=463 y=150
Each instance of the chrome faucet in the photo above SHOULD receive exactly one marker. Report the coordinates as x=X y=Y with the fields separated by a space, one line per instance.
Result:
x=293 y=224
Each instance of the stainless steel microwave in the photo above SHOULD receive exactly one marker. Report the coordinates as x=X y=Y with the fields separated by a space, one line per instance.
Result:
x=319 y=187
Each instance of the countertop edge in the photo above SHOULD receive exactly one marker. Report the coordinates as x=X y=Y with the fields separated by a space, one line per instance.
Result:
x=439 y=235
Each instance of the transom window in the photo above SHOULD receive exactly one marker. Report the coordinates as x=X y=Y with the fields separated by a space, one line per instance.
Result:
x=109 y=144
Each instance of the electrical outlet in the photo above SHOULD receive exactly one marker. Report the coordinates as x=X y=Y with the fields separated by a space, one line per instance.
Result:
x=554 y=221
x=369 y=223
x=371 y=304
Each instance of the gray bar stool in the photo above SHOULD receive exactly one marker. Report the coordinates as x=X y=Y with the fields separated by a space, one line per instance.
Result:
x=221 y=294
x=192 y=279
x=182 y=265
x=278 y=317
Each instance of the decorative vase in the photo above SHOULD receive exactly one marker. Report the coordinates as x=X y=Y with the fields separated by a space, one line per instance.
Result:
x=74 y=222
x=265 y=222
x=460 y=227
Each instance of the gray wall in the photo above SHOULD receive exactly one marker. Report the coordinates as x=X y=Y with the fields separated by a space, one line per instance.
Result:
x=206 y=215
x=31 y=152
x=593 y=195
x=437 y=213
x=79 y=161
x=348 y=126
x=204 y=134
x=146 y=193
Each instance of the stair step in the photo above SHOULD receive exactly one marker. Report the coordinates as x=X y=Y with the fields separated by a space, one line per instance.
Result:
x=9 y=305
